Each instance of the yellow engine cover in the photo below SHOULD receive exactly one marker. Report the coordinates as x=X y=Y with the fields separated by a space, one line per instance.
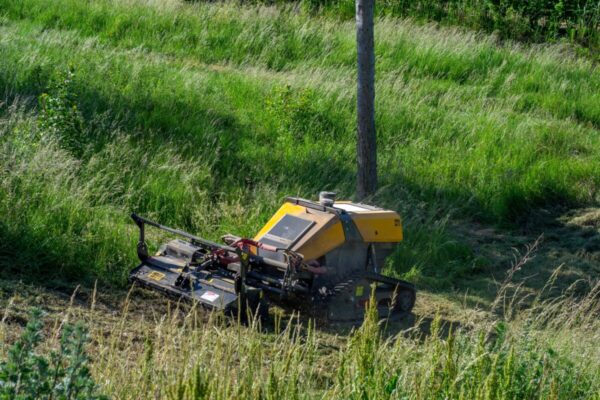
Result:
x=316 y=230
x=375 y=225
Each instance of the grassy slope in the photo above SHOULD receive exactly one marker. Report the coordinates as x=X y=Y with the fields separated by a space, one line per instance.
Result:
x=188 y=120
x=476 y=122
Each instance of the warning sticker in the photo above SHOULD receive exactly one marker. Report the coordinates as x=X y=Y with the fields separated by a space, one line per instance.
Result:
x=360 y=290
x=155 y=275
x=210 y=296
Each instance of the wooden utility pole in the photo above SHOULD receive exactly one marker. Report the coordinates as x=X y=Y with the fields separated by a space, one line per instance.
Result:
x=366 y=144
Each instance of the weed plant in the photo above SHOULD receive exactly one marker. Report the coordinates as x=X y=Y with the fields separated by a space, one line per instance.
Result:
x=62 y=373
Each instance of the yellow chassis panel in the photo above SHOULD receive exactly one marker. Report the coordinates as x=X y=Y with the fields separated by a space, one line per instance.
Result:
x=324 y=242
x=375 y=226
x=320 y=240
x=379 y=226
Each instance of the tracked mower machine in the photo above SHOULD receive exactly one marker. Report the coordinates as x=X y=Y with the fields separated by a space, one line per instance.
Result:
x=323 y=257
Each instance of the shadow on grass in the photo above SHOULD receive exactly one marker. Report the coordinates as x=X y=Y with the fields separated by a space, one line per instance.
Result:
x=568 y=249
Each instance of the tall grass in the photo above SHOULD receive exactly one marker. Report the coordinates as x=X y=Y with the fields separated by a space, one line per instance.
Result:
x=447 y=101
x=539 y=21
x=545 y=351
x=205 y=115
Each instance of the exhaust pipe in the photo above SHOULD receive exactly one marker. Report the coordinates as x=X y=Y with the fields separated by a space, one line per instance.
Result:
x=327 y=198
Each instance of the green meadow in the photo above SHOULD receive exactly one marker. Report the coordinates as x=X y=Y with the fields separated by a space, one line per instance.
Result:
x=203 y=116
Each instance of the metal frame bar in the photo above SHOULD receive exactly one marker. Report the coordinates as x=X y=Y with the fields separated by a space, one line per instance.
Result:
x=141 y=221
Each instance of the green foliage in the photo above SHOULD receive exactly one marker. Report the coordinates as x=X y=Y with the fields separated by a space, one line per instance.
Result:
x=59 y=116
x=63 y=374
x=524 y=20
x=298 y=112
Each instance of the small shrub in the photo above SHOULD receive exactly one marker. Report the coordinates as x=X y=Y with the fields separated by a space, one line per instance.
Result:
x=62 y=374
x=60 y=117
